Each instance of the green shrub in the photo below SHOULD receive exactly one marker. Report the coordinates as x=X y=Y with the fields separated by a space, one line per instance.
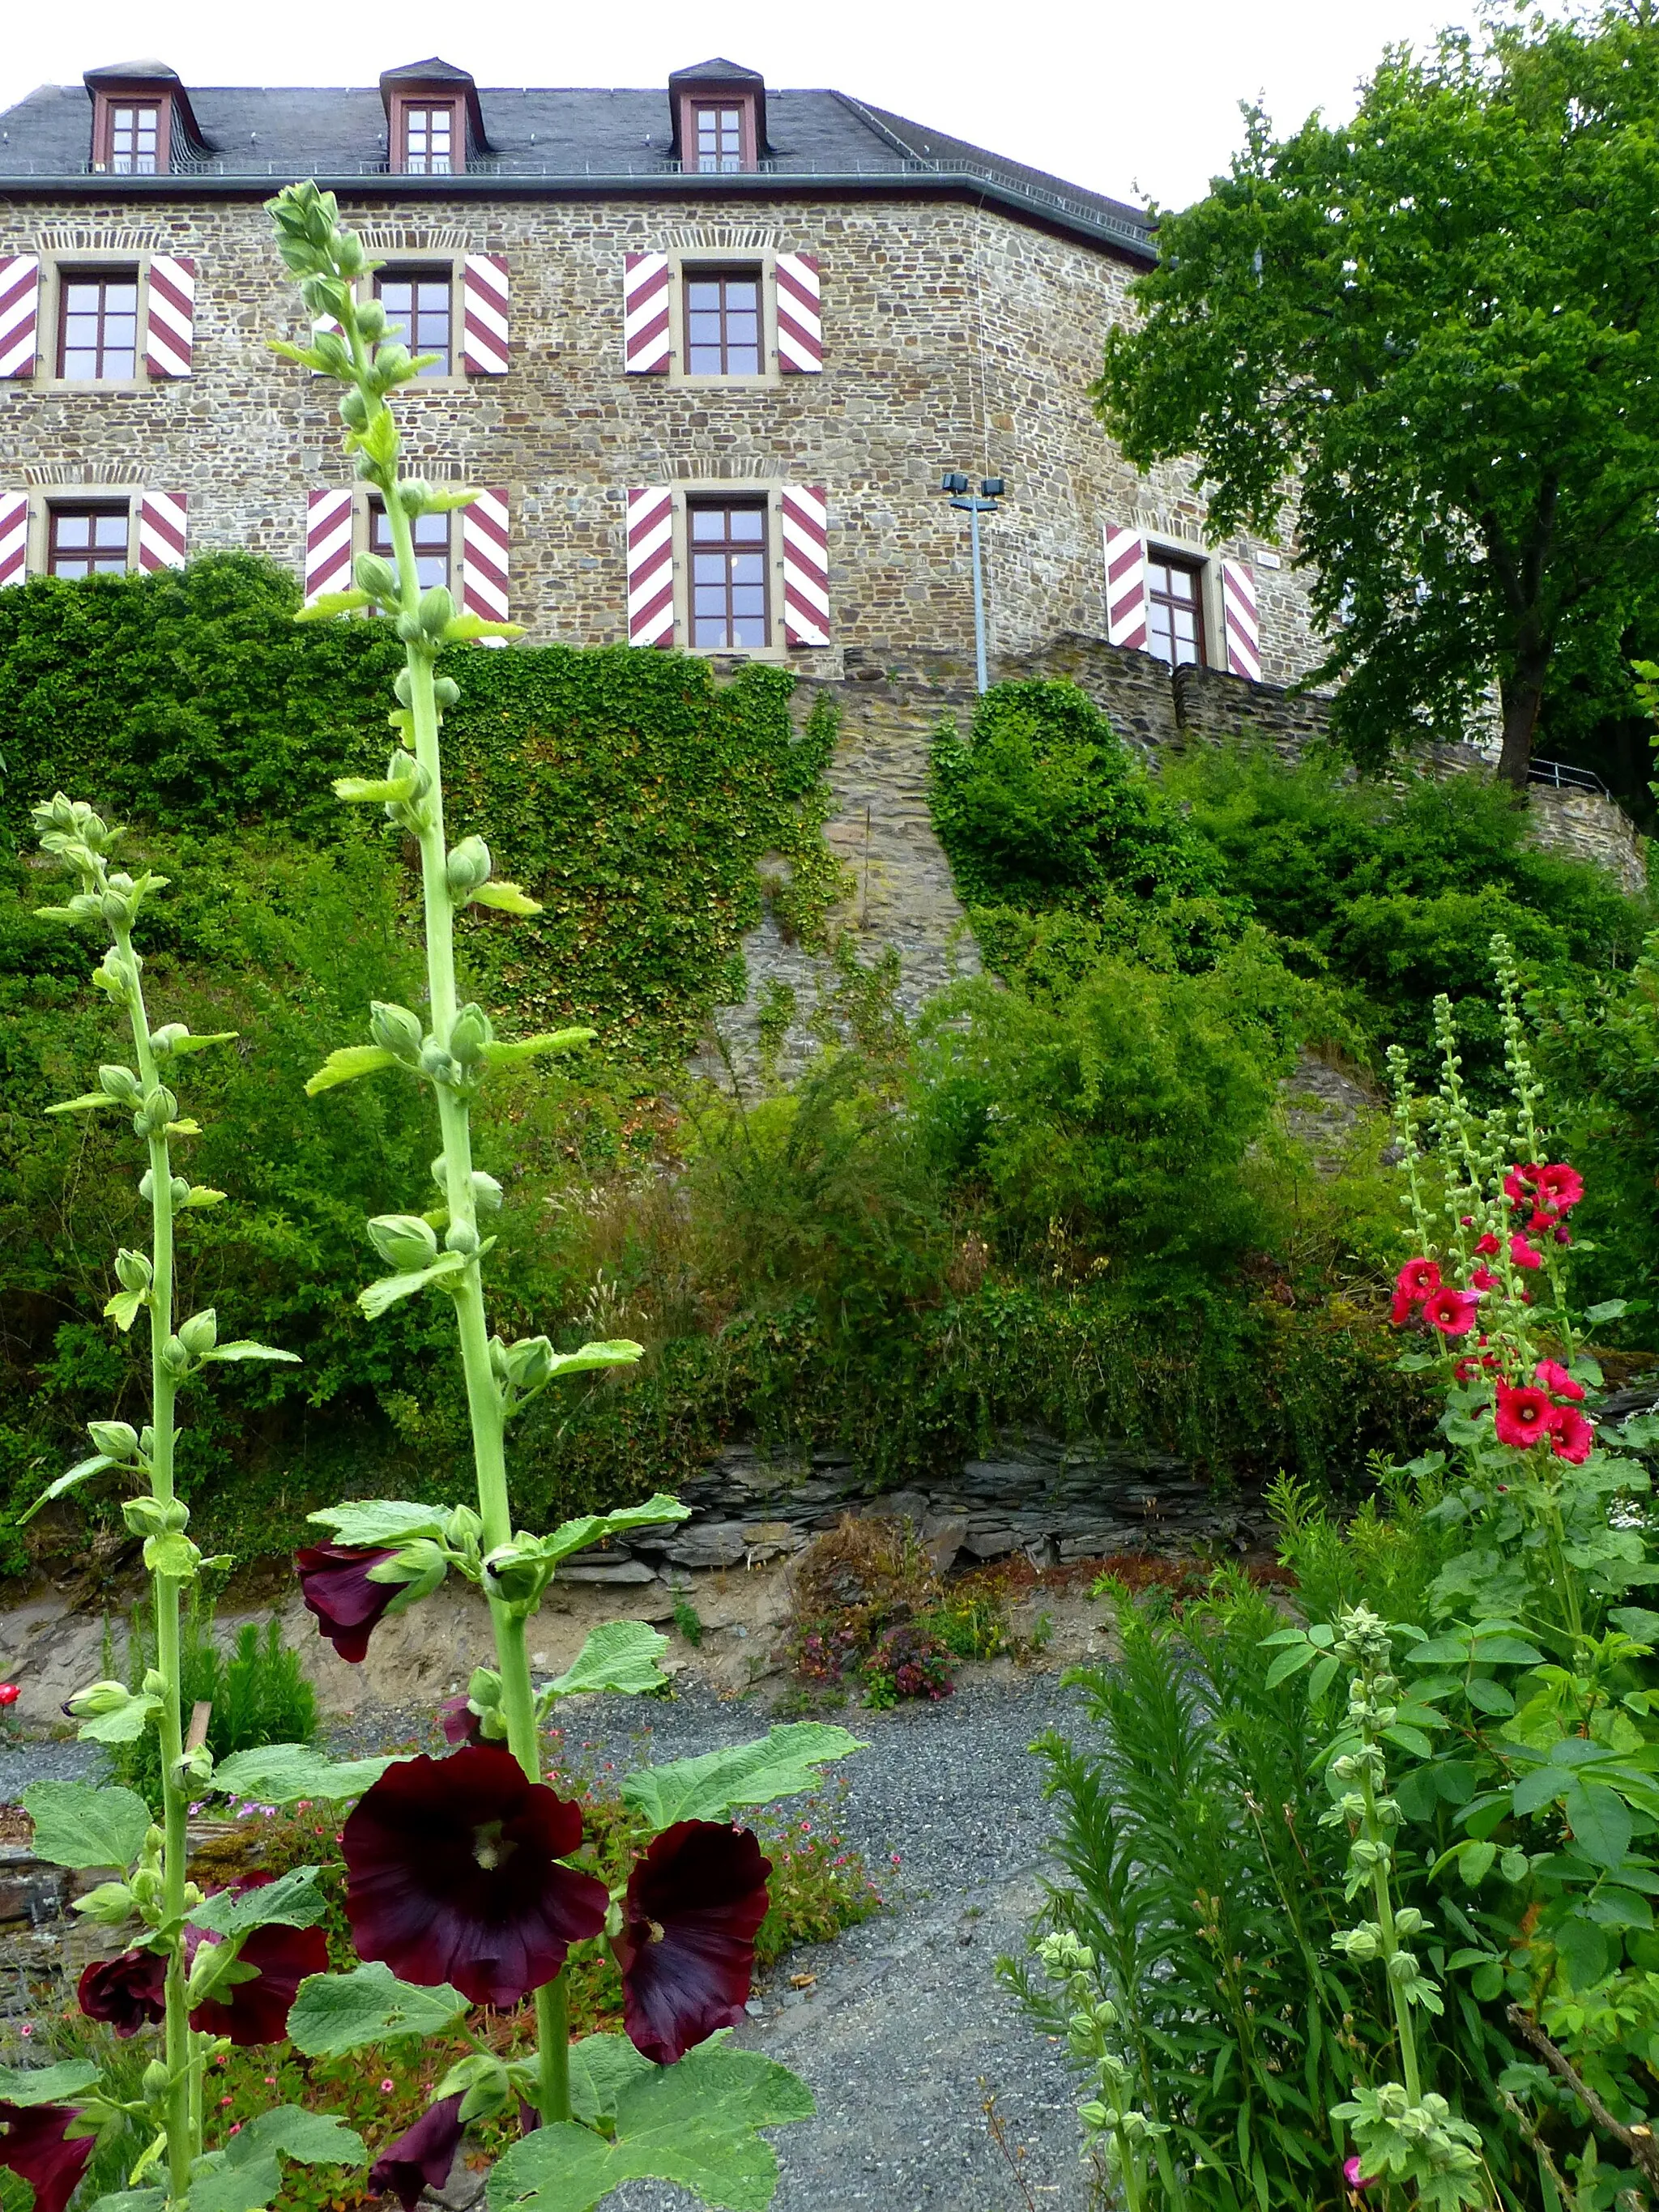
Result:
x=256 y=1689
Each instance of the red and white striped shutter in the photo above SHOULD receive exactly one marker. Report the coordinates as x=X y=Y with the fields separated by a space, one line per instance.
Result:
x=645 y=342
x=14 y=536
x=483 y=314
x=800 y=315
x=1126 y=586
x=161 y=529
x=651 y=567
x=485 y=544
x=806 y=565
x=19 y=312
x=1243 y=623
x=328 y=543
x=170 y=315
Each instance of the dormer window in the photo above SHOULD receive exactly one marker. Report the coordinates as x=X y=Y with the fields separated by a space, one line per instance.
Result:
x=428 y=139
x=434 y=123
x=136 y=130
x=142 y=123
x=718 y=138
x=718 y=113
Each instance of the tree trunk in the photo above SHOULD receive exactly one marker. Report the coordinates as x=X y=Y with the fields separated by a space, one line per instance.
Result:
x=1523 y=697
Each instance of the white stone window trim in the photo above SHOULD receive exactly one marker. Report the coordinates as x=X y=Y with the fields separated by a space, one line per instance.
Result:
x=44 y=499
x=1193 y=553
x=693 y=492
x=46 y=346
x=438 y=260
x=685 y=261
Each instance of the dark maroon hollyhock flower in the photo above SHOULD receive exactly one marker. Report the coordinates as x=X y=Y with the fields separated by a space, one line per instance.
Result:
x=335 y=1585
x=422 y=2156
x=453 y=1875
x=687 y=1946
x=128 y=1992
x=33 y=2146
x=256 y=2011
x=460 y=1723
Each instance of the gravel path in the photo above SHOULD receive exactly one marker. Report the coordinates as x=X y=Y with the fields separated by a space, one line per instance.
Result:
x=905 y=2032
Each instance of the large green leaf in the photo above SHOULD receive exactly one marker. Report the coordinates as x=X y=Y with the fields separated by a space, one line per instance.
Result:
x=618 y=1655
x=376 y=1297
x=78 y=1825
x=80 y=1472
x=1602 y=1822
x=345 y=1064
x=132 y=2200
x=693 y=2123
x=245 y=2175
x=376 y=1522
x=334 y=2014
x=280 y=1774
x=775 y=1765
x=292 y=1901
x=593 y=1528
x=47 y=2085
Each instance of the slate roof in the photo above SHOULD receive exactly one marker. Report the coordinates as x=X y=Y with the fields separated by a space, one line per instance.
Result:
x=558 y=140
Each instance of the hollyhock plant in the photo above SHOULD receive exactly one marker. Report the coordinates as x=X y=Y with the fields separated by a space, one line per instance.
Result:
x=1452 y=1312
x=127 y=1993
x=1574 y=1436
x=256 y=2011
x=1550 y=1376
x=1418 y=1280
x=687 y=1945
x=1523 y=1417
x=37 y=2147
x=335 y=1586
x=422 y=2155
x=1524 y=1254
x=453 y=1874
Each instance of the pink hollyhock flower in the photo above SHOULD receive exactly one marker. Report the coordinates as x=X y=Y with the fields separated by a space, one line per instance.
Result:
x=128 y=1993
x=1574 y=1439
x=335 y=1586
x=1524 y=1254
x=1487 y=1247
x=1417 y=1279
x=1560 y=1189
x=1518 y=1184
x=1484 y=1279
x=1550 y=1376
x=256 y=2011
x=422 y=2156
x=1401 y=1310
x=453 y=1874
x=34 y=2148
x=1523 y=1416
x=1452 y=1312
x=1355 y=2179
x=687 y=1945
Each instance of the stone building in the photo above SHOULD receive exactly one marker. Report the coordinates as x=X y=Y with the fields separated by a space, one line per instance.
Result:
x=708 y=349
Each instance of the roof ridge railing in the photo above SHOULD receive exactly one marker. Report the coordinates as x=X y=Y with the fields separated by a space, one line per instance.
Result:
x=508 y=168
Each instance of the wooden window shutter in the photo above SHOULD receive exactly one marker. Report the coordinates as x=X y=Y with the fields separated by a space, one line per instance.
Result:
x=170 y=315
x=14 y=536
x=19 y=312
x=486 y=541
x=646 y=341
x=484 y=314
x=800 y=315
x=161 y=529
x=328 y=543
x=806 y=522
x=651 y=567
x=1126 y=586
x=1242 y=621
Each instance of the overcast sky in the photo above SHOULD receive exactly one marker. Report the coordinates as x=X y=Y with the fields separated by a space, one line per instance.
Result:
x=1125 y=96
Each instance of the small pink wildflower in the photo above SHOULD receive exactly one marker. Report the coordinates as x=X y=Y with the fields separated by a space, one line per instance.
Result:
x=387 y=2085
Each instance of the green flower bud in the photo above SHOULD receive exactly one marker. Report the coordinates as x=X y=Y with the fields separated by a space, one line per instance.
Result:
x=403 y=1241
x=391 y=364
x=152 y=2085
x=144 y=1517
x=333 y=356
x=132 y=1270
x=486 y=1192
x=175 y=1358
x=446 y=690
x=116 y=1438
x=376 y=577
x=199 y=1334
x=111 y=977
x=353 y=411
x=484 y=1689
x=372 y=324
x=514 y=1574
x=325 y=297
x=160 y=1106
x=461 y=1236
x=349 y=257
x=99 y=1698
x=401 y=688
x=1402 y=1969
x=109 y=1905
x=414 y=496
x=119 y=1082
x=116 y=910
x=437 y=610
x=467 y=867
x=436 y=1064
x=395 y=1030
x=470 y=1033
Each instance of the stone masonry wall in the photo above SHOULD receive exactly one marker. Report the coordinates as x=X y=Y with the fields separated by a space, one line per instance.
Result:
x=954 y=338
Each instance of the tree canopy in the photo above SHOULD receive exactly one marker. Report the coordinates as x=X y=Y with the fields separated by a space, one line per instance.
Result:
x=1423 y=344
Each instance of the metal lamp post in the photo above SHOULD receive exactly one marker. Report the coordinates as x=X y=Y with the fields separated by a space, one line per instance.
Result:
x=991 y=490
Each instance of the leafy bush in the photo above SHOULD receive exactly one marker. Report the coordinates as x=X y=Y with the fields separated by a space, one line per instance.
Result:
x=256 y=1690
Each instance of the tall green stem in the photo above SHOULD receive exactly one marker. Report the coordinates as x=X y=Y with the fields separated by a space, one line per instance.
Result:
x=1388 y=1944
x=183 y=2120
x=483 y=1397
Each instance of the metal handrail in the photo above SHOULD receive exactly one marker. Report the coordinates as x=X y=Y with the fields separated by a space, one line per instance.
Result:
x=627 y=169
x=1561 y=775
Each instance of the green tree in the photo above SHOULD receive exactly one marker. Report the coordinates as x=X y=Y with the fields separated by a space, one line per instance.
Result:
x=1437 y=323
